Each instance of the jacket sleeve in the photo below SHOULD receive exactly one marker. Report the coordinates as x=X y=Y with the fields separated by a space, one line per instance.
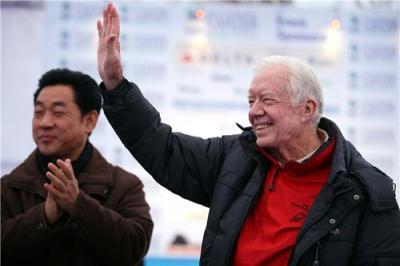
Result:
x=186 y=165
x=25 y=233
x=117 y=235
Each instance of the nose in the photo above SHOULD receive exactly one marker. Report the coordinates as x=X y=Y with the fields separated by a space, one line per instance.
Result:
x=46 y=121
x=256 y=109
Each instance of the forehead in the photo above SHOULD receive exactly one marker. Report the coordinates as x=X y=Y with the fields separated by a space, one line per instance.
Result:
x=56 y=94
x=272 y=81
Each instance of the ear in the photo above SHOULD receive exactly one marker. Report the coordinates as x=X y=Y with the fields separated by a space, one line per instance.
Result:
x=90 y=121
x=309 y=109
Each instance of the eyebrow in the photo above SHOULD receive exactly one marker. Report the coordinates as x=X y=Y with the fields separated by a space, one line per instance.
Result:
x=53 y=104
x=267 y=94
x=262 y=95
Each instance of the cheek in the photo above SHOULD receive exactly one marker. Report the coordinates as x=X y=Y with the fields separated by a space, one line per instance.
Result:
x=251 y=118
x=34 y=127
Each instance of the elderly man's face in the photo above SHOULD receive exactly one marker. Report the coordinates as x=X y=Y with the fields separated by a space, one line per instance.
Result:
x=275 y=119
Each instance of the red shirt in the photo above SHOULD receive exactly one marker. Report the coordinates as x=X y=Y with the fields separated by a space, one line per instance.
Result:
x=269 y=233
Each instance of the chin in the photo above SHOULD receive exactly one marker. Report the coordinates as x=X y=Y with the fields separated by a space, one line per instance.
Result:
x=261 y=144
x=47 y=152
x=264 y=143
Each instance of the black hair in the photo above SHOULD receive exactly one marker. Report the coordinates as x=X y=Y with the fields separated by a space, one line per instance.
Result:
x=86 y=90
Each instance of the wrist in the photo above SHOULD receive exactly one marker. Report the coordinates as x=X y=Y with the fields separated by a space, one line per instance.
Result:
x=70 y=207
x=53 y=217
x=112 y=84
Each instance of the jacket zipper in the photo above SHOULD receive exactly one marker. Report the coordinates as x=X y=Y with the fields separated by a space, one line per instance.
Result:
x=323 y=213
x=272 y=185
x=263 y=171
x=316 y=261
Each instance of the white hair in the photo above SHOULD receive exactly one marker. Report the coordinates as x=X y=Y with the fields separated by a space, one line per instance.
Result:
x=302 y=79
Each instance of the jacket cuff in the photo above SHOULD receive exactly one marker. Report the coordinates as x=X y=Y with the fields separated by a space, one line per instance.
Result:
x=80 y=213
x=112 y=96
x=60 y=223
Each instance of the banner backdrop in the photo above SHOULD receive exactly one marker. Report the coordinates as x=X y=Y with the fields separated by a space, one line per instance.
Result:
x=194 y=61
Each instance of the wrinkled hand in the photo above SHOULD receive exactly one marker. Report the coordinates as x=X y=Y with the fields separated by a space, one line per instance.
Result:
x=64 y=187
x=108 y=51
x=51 y=210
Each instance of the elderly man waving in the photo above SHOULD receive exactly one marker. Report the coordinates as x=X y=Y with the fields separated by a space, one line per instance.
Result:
x=289 y=190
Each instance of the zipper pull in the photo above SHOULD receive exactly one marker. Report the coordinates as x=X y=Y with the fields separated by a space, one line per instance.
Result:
x=316 y=261
x=271 y=187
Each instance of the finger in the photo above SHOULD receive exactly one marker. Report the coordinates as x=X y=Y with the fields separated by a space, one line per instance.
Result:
x=55 y=182
x=108 y=26
x=99 y=29
x=109 y=7
x=56 y=171
x=53 y=192
x=114 y=17
x=105 y=21
x=47 y=188
x=66 y=169
x=69 y=165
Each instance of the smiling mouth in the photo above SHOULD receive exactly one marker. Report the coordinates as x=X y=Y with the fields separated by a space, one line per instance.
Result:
x=263 y=126
x=46 y=138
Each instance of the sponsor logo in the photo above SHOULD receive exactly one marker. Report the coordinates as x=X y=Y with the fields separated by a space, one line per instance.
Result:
x=302 y=213
x=154 y=15
x=379 y=81
x=297 y=22
x=380 y=25
x=295 y=28
x=226 y=20
x=154 y=71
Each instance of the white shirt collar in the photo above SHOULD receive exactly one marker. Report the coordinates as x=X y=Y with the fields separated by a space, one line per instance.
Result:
x=323 y=135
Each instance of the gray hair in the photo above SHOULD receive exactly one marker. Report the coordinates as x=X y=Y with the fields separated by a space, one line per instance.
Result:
x=302 y=79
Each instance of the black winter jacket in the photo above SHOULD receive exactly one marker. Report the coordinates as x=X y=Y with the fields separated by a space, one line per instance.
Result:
x=355 y=219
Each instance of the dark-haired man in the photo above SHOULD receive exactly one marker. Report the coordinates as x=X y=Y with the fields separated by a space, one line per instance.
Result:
x=65 y=204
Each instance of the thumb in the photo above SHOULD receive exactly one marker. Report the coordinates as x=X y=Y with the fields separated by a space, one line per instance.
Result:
x=49 y=195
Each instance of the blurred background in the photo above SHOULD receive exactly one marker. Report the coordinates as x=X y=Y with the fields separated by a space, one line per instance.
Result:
x=194 y=61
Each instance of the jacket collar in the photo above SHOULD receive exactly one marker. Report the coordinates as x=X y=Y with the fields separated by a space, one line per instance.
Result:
x=348 y=166
x=78 y=165
x=341 y=156
x=346 y=163
x=28 y=177
x=340 y=161
x=247 y=141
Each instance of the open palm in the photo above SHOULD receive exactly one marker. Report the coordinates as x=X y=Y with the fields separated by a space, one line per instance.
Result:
x=108 y=51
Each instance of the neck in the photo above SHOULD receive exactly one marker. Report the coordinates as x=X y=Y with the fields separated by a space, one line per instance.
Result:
x=78 y=163
x=301 y=146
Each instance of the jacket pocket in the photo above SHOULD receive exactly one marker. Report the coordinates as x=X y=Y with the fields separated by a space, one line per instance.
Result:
x=345 y=231
x=336 y=248
x=388 y=260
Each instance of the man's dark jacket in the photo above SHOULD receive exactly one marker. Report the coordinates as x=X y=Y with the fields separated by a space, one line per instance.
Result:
x=355 y=219
x=110 y=225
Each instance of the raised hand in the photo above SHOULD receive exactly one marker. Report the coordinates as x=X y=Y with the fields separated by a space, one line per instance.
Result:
x=64 y=187
x=108 y=51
